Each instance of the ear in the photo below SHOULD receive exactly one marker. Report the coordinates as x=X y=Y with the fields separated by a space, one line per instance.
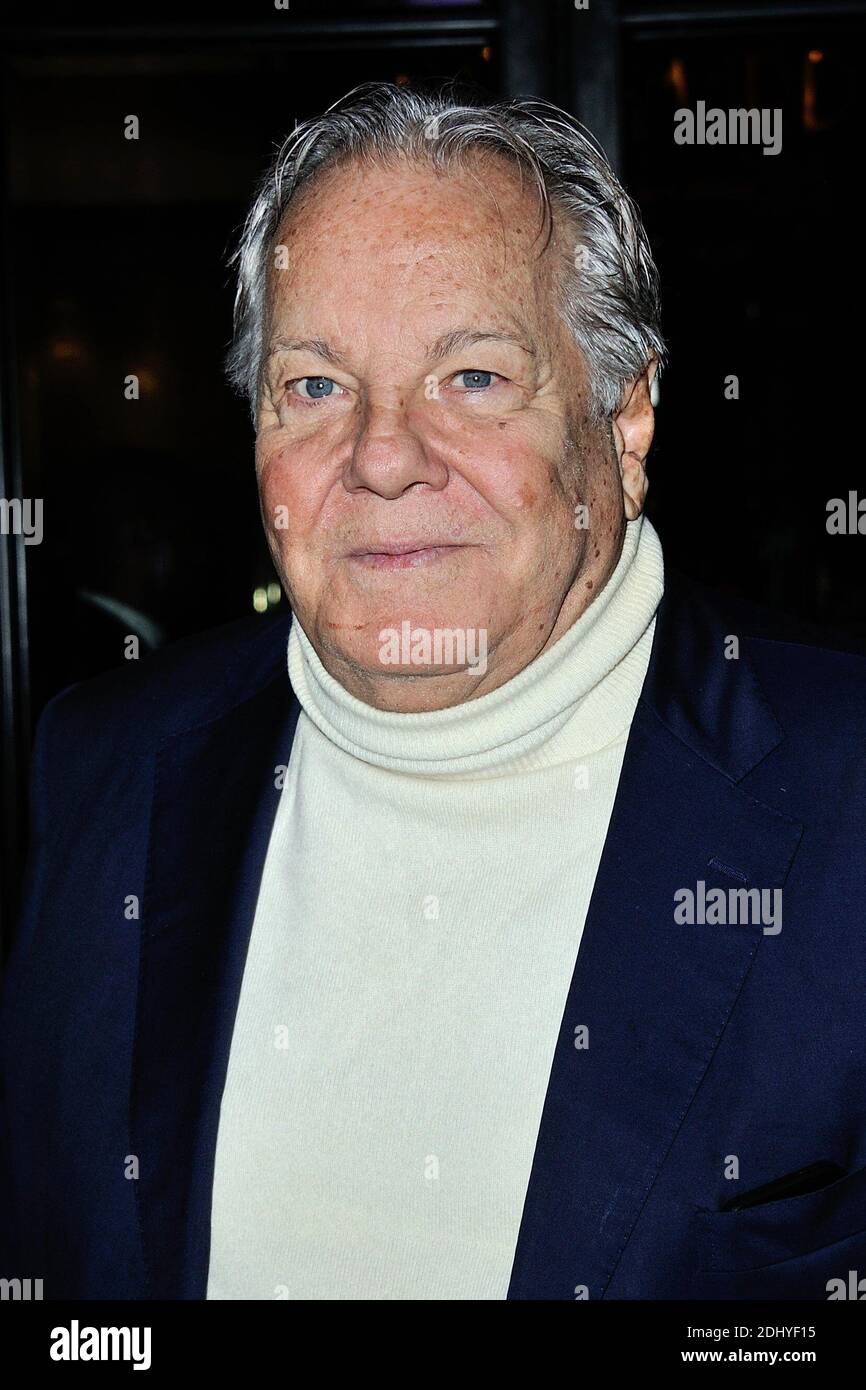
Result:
x=632 y=427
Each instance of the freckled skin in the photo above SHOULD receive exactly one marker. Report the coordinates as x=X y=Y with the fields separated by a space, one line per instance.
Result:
x=381 y=262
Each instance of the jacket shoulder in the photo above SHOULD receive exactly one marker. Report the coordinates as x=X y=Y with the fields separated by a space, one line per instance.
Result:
x=813 y=678
x=185 y=683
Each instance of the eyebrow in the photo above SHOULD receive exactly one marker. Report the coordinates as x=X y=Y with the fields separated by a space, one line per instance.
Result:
x=317 y=346
x=467 y=337
x=443 y=347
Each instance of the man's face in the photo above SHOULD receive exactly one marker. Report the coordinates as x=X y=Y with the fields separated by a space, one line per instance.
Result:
x=421 y=389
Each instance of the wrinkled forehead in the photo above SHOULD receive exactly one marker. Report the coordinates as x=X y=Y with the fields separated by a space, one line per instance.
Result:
x=407 y=235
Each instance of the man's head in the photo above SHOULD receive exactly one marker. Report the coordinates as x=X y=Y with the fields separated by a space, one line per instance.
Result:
x=447 y=325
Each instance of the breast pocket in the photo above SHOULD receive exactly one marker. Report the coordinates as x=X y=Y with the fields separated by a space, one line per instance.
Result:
x=789 y=1229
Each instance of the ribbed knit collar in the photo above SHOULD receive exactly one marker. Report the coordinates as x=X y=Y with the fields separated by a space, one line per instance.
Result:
x=576 y=697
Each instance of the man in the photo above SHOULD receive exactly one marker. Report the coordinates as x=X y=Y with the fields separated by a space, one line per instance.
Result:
x=488 y=929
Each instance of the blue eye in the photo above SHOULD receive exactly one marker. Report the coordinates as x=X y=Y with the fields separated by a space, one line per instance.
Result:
x=318 y=387
x=476 y=380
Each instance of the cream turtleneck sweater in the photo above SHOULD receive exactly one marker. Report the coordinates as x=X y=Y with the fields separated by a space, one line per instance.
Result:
x=418 y=920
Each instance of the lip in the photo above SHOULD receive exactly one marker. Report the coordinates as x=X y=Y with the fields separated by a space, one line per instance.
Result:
x=401 y=556
x=401 y=547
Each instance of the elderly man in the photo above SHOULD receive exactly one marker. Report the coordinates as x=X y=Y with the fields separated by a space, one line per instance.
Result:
x=430 y=943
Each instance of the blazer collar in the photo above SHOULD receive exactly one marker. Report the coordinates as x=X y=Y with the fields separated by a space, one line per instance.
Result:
x=653 y=995
x=712 y=703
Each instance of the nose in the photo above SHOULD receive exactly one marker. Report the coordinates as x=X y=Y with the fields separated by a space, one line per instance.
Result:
x=389 y=456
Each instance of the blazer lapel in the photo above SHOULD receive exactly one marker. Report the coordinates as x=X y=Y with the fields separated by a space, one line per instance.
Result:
x=652 y=994
x=214 y=803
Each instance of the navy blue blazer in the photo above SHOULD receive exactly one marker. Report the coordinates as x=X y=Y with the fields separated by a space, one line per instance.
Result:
x=712 y=1048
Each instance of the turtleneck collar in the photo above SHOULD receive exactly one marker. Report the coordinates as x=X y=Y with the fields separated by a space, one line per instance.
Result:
x=576 y=697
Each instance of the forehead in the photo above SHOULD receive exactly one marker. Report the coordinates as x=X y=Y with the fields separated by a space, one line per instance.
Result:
x=408 y=240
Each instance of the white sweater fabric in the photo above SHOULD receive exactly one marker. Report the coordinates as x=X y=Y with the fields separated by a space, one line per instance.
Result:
x=419 y=916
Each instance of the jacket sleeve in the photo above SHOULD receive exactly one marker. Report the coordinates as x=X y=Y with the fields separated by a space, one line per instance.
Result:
x=17 y=964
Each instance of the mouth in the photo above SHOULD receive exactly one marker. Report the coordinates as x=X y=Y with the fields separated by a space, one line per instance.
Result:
x=403 y=557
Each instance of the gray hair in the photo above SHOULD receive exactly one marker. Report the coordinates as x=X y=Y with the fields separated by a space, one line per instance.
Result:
x=610 y=297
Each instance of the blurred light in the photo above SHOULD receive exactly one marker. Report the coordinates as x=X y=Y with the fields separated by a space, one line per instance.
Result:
x=811 y=120
x=675 y=77
x=66 y=350
x=401 y=79
x=275 y=593
x=487 y=53
x=148 y=381
x=260 y=600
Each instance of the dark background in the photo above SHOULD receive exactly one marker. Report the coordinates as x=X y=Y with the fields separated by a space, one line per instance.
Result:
x=114 y=262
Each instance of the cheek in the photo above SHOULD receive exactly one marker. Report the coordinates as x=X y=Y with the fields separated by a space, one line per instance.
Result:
x=270 y=465
x=530 y=497
x=516 y=480
x=287 y=490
